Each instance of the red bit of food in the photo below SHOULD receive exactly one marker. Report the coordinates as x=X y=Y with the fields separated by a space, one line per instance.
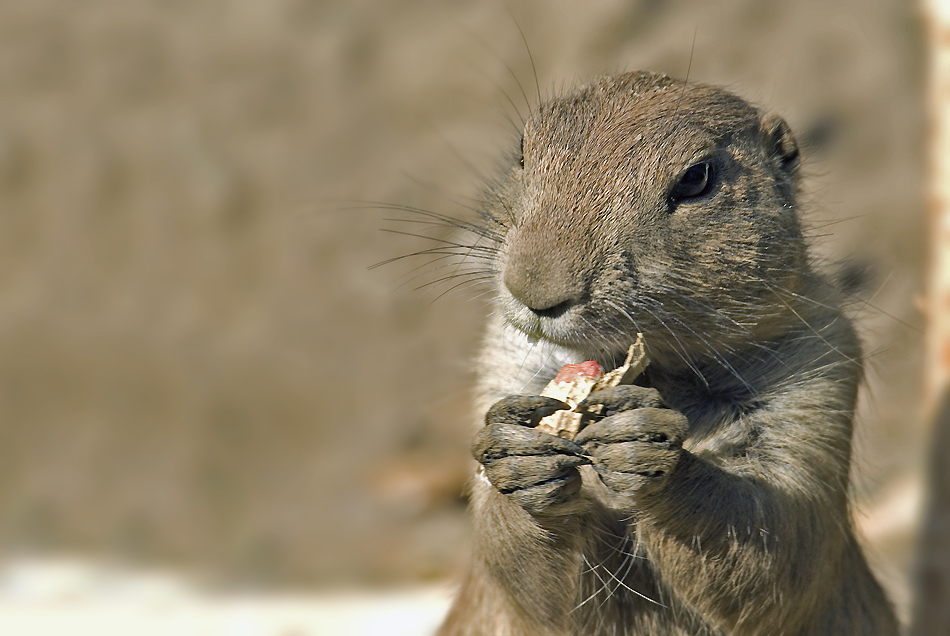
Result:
x=569 y=372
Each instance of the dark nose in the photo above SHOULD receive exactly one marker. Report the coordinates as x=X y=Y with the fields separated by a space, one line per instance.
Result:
x=543 y=282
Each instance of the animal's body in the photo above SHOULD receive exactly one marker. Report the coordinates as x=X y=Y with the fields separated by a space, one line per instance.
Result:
x=712 y=498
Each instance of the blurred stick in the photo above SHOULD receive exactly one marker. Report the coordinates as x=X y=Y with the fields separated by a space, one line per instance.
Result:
x=931 y=612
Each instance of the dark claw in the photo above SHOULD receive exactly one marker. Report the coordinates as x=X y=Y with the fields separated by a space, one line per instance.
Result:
x=510 y=474
x=621 y=398
x=523 y=410
x=507 y=440
x=663 y=427
x=546 y=496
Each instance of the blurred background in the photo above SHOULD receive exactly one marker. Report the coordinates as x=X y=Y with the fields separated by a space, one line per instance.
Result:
x=198 y=370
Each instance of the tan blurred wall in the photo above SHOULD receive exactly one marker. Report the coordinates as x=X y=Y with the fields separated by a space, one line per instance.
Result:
x=196 y=365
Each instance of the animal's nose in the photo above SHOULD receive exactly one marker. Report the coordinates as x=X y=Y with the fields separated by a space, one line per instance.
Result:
x=543 y=282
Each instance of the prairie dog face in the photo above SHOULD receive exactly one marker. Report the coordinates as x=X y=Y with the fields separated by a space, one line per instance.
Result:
x=641 y=204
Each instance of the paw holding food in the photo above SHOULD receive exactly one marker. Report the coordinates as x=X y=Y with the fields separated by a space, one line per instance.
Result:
x=533 y=468
x=635 y=451
x=526 y=450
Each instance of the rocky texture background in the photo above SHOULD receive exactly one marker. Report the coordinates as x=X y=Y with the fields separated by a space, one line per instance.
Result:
x=197 y=366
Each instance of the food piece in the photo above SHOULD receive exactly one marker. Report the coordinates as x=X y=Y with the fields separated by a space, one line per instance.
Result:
x=569 y=372
x=574 y=382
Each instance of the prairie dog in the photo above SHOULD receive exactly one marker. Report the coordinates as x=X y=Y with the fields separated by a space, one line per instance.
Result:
x=712 y=498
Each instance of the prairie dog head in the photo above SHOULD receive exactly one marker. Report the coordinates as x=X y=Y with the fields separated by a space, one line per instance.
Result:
x=638 y=203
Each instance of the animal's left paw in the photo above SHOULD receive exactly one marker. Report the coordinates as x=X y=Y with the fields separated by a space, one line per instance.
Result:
x=635 y=451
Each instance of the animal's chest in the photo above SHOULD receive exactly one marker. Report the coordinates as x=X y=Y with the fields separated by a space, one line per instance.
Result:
x=618 y=593
x=721 y=421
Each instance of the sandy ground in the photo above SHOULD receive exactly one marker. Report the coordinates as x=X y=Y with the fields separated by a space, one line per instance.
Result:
x=77 y=598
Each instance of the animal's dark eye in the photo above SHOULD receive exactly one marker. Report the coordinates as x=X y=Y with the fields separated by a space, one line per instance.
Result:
x=695 y=182
x=521 y=152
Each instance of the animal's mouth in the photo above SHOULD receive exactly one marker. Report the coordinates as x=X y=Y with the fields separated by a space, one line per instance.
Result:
x=554 y=312
x=575 y=349
x=582 y=345
x=566 y=326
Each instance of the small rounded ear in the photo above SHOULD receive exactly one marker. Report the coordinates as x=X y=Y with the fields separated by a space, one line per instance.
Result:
x=780 y=146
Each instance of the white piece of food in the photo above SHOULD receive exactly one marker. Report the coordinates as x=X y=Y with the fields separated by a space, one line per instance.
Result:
x=567 y=423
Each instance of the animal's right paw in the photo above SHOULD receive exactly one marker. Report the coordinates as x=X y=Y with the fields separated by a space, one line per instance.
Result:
x=536 y=470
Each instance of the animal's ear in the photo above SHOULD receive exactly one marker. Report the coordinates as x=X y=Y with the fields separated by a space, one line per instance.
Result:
x=780 y=147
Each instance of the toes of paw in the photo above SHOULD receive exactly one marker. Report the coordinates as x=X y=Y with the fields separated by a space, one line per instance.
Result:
x=522 y=410
x=638 y=458
x=512 y=474
x=662 y=427
x=621 y=398
x=504 y=440
x=628 y=482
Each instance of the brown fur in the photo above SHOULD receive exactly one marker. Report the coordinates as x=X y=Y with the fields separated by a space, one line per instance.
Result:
x=727 y=512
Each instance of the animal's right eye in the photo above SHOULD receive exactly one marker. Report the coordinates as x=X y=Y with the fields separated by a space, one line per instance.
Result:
x=695 y=182
x=521 y=152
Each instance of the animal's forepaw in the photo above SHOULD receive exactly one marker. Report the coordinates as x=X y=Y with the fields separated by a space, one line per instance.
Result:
x=534 y=469
x=635 y=451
